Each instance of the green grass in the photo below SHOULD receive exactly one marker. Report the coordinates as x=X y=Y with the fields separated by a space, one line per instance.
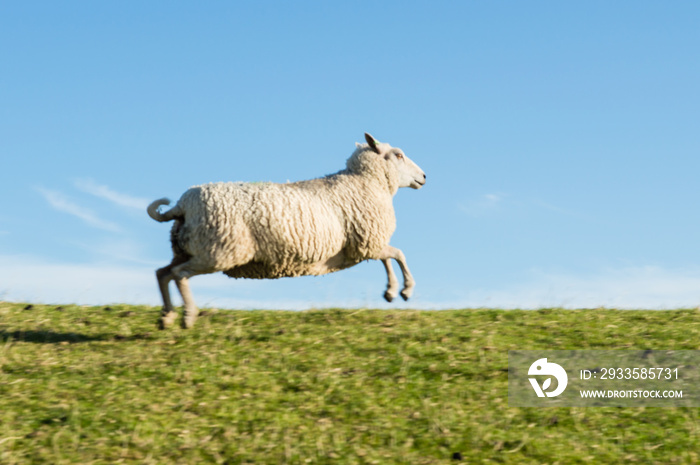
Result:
x=104 y=386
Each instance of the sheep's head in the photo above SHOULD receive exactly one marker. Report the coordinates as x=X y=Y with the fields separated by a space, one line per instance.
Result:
x=408 y=173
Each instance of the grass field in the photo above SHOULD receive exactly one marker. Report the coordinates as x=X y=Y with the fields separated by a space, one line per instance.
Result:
x=102 y=385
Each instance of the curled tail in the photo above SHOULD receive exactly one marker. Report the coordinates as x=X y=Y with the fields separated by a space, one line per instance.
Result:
x=169 y=215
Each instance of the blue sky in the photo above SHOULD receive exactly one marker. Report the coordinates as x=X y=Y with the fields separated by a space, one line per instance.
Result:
x=560 y=141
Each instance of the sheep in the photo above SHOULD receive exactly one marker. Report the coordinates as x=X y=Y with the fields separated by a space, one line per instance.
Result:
x=269 y=230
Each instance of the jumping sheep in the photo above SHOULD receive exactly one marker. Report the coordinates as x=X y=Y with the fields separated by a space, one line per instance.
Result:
x=268 y=230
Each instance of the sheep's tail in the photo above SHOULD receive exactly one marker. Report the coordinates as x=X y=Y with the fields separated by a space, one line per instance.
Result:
x=169 y=215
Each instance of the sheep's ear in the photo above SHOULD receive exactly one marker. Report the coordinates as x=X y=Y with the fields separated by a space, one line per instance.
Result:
x=373 y=143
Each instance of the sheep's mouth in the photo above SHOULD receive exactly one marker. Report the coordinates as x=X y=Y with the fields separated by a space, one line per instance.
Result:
x=417 y=184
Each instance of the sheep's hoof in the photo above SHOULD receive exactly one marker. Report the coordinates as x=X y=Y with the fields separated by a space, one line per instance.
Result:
x=407 y=293
x=389 y=295
x=189 y=319
x=166 y=320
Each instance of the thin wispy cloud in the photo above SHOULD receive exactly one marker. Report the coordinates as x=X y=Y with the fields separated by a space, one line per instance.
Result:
x=485 y=204
x=563 y=211
x=61 y=203
x=482 y=204
x=644 y=287
x=119 y=250
x=100 y=190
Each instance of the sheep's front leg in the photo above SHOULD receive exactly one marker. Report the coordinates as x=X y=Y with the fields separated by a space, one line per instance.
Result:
x=392 y=288
x=387 y=253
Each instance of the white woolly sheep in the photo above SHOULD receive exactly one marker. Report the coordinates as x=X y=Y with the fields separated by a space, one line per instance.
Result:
x=268 y=230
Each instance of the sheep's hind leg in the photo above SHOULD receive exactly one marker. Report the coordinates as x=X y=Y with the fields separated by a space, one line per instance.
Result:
x=389 y=252
x=164 y=276
x=190 y=311
x=182 y=273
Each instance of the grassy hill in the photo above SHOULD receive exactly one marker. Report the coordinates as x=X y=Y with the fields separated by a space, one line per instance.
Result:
x=102 y=385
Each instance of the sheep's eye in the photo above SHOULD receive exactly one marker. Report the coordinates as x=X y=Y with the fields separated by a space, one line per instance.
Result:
x=399 y=156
